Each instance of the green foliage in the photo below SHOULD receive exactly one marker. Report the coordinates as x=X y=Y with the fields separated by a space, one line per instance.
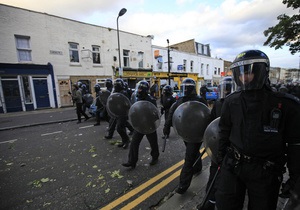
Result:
x=287 y=31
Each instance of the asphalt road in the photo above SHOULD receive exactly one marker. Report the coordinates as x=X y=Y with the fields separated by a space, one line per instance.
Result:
x=70 y=166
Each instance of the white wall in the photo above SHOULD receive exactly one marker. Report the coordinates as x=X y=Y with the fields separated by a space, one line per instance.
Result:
x=178 y=57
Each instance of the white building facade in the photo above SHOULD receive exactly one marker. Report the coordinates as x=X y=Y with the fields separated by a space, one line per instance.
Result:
x=42 y=55
x=203 y=69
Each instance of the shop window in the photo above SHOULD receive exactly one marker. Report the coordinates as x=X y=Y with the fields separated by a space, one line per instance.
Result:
x=23 y=48
x=26 y=90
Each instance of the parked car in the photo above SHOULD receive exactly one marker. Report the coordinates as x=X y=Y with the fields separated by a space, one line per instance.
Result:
x=212 y=94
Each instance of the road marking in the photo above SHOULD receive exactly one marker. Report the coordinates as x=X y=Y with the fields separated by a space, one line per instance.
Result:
x=141 y=187
x=46 y=134
x=88 y=126
x=9 y=141
x=154 y=189
x=150 y=192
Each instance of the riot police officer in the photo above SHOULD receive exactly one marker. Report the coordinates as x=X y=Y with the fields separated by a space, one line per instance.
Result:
x=77 y=97
x=188 y=88
x=167 y=100
x=259 y=132
x=121 y=121
x=226 y=86
x=142 y=94
x=109 y=84
x=99 y=104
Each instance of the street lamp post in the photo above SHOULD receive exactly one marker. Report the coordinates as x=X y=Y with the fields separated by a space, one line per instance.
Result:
x=169 y=66
x=121 y=13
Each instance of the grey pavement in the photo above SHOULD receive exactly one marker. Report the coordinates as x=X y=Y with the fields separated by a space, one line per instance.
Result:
x=187 y=201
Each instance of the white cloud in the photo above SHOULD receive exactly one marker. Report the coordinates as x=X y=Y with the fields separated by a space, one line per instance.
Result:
x=229 y=26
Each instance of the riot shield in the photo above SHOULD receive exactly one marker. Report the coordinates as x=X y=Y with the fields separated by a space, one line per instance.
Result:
x=144 y=117
x=133 y=97
x=103 y=96
x=190 y=120
x=211 y=139
x=118 y=105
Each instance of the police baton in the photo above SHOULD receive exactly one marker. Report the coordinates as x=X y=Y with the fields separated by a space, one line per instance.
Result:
x=200 y=207
x=199 y=158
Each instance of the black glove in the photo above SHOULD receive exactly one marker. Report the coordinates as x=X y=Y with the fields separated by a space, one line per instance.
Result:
x=166 y=130
x=286 y=188
x=162 y=110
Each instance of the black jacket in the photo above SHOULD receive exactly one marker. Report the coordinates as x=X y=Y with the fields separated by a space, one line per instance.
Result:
x=262 y=124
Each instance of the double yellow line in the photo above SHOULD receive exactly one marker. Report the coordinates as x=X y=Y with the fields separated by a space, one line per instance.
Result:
x=151 y=191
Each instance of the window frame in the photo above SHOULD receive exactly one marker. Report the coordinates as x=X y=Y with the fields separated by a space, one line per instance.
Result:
x=23 y=52
x=73 y=50
x=126 y=58
x=95 y=52
x=141 y=59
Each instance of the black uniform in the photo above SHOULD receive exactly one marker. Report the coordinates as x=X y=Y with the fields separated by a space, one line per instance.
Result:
x=260 y=130
x=192 y=149
x=99 y=109
x=166 y=101
x=136 y=140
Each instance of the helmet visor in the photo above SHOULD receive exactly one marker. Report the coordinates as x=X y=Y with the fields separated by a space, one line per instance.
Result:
x=226 y=87
x=250 y=76
x=187 y=89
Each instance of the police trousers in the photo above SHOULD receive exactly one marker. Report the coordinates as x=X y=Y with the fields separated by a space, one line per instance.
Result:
x=190 y=166
x=135 y=144
x=238 y=178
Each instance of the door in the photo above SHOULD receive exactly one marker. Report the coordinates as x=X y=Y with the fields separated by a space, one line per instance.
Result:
x=41 y=93
x=64 y=89
x=12 y=96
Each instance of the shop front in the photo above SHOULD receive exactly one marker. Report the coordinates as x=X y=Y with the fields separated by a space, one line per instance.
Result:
x=26 y=87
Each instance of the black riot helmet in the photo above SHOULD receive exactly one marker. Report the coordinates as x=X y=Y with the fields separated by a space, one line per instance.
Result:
x=226 y=86
x=97 y=88
x=79 y=84
x=167 y=90
x=119 y=85
x=251 y=69
x=142 y=89
x=109 y=84
x=188 y=87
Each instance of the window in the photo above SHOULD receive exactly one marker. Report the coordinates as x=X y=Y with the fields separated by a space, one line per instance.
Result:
x=26 y=90
x=23 y=48
x=215 y=72
x=141 y=59
x=74 y=54
x=219 y=71
x=171 y=61
x=184 y=65
x=207 y=69
x=202 y=68
x=126 y=58
x=192 y=66
x=96 y=54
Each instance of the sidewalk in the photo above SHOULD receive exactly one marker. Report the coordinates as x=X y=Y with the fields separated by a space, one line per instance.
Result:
x=187 y=201
x=15 y=120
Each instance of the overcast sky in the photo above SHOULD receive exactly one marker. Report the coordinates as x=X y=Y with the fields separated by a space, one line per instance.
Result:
x=229 y=26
